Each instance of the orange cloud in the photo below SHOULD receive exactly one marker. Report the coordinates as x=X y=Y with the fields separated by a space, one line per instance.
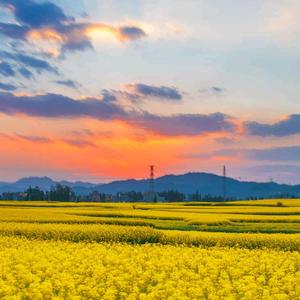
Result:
x=78 y=36
x=45 y=34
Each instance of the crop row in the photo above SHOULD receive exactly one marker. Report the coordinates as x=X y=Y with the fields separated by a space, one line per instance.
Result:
x=142 y=235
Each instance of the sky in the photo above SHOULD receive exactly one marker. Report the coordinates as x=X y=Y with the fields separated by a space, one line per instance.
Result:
x=98 y=90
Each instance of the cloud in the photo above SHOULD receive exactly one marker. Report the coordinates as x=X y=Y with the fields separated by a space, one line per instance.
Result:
x=292 y=169
x=225 y=140
x=291 y=153
x=6 y=69
x=47 y=22
x=131 y=33
x=186 y=124
x=69 y=83
x=162 y=92
x=108 y=96
x=7 y=137
x=7 y=87
x=55 y=106
x=27 y=138
x=35 y=63
x=14 y=31
x=78 y=36
x=286 y=127
x=34 y=139
x=59 y=106
x=25 y=73
x=83 y=133
x=79 y=143
x=36 y=15
x=139 y=92
x=29 y=61
x=212 y=91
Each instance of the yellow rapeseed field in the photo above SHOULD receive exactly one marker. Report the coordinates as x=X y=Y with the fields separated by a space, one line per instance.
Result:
x=35 y=269
x=142 y=235
x=236 y=250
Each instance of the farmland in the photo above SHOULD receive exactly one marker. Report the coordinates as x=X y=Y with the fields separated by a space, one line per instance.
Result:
x=233 y=250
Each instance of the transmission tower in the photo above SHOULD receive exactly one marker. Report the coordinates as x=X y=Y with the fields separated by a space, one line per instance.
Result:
x=151 y=181
x=224 y=182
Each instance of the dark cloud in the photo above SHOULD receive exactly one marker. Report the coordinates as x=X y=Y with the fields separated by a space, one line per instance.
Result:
x=14 y=31
x=132 y=32
x=7 y=87
x=6 y=69
x=69 y=83
x=163 y=92
x=35 y=63
x=29 y=61
x=26 y=73
x=74 y=36
x=186 y=124
x=55 y=106
x=58 y=106
x=77 y=45
x=286 y=127
x=108 y=96
x=216 y=89
x=113 y=95
x=35 y=14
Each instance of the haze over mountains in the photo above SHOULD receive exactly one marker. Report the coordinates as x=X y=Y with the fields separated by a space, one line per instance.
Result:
x=188 y=183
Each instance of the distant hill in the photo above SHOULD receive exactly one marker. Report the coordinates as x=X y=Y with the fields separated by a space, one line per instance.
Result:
x=189 y=183
x=45 y=183
x=204 y=183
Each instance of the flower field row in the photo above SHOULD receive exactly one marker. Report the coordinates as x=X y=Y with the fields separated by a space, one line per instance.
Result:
x=199 y=215
x=62 y=270
x=142 y=235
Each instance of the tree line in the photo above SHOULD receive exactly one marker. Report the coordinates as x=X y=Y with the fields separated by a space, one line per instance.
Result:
x=57 y=193
x=64 y=193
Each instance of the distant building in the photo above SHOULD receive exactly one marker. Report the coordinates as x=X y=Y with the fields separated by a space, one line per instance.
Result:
x=122 y=197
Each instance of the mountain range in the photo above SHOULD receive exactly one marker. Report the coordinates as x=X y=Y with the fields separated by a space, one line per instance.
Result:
x=188 y=183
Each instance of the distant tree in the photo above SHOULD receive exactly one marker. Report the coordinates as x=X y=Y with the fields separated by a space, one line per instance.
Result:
x=173 y=196
x=34 y=194
x=61 y=193
x=196 y=197
x=135 y=196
